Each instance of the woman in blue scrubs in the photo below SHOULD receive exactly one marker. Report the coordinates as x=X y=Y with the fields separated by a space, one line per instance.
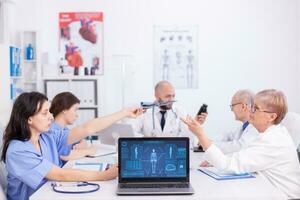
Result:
x=31 y=150
x=64 y=107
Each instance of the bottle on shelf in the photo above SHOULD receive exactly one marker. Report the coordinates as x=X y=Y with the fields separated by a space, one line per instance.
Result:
x=18 y=71
x=15 y=68
x=29 y=52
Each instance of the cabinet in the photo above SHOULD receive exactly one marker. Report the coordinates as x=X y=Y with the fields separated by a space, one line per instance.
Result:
x=84 y=88
x=22 y=72
x=30 y=60
x=15 y=71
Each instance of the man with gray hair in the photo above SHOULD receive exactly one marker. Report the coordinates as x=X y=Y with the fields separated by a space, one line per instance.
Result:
x=241 y=104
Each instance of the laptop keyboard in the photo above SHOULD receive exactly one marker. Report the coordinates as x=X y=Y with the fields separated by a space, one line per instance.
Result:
x=156 y=185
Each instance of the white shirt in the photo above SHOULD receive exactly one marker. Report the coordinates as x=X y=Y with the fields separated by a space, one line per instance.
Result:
x=148 y=125
x=237 y=139
x=272 y=154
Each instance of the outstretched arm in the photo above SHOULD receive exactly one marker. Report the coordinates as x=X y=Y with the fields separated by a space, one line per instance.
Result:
x=195 y=127
x=98 y=124
x=62 y=174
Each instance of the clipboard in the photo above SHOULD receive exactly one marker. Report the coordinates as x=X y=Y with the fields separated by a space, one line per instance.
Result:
x=91 y=166
x=218 y=175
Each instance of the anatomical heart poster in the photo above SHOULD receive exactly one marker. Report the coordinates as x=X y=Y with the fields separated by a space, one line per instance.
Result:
x=81 y=43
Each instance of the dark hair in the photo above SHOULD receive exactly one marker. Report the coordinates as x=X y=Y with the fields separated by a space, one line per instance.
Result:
x=63 y=101
x=25 y=106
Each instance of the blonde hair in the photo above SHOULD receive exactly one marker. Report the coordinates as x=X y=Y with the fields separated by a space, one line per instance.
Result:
x=275 y=101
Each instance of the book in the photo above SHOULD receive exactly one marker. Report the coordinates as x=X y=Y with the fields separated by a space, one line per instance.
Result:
x=92 y=166
x=219 y=175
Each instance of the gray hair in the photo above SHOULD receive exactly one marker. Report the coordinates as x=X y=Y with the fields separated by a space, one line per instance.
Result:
x=245 y=96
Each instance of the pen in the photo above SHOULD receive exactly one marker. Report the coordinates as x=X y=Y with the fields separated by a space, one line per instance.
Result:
x=91 y=156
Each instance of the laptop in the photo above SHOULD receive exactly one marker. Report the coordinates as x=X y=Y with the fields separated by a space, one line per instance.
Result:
x=111 y=134
x=157 y=165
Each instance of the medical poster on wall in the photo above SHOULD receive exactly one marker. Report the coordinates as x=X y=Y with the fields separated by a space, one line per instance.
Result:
x=176 y=55
x=81 y=43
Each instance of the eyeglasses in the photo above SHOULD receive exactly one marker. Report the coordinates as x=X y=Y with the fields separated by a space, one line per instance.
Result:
x=255 y=108
x=234 y=104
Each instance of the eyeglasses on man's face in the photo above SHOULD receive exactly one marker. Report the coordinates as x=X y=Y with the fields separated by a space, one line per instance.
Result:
x=234 y=104
x=255 y=108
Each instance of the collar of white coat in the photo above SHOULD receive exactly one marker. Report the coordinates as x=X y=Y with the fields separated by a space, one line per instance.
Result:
x=272 y=127
x=157 y=110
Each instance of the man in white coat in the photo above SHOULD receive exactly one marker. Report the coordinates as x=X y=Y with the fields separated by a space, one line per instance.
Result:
x=164 y=121
x=244 y=135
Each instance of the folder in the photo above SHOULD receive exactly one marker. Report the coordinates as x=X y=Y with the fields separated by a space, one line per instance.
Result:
x=218 y=175
x=91 y=166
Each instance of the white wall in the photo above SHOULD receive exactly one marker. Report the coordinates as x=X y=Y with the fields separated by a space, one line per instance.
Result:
x=242 y=44
x=5 y=105
x=298 y=51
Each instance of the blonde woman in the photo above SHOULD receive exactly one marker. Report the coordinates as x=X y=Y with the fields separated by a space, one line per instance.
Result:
x=273 y=154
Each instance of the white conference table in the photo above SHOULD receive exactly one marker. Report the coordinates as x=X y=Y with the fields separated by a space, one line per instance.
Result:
x=206 y=188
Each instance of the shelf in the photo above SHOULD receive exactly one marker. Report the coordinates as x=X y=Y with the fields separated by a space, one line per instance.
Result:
x=16 y=77
x=29 y=61
x=30 y=82
x=87 y=106
x=30 y=71
x=83 y=87
x=71 y=77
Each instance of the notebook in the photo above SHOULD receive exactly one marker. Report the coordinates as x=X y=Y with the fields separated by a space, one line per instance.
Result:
x=154 y=166
x=91 y=166
x=218 y=175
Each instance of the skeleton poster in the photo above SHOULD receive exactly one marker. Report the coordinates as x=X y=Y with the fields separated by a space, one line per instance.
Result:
x=81 y=43
x=176 y=56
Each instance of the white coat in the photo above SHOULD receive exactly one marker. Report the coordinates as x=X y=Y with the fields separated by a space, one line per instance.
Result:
x=237 y=139
x=148 y=125
x=273 y=155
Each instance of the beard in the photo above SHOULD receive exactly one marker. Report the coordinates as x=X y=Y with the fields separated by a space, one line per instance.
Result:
x=166 y=107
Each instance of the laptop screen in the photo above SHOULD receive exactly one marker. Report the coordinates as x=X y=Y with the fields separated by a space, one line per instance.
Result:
x=153 y=159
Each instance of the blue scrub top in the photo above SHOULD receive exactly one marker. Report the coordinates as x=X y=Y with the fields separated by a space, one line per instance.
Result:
x=27 y=167
x=56 y=127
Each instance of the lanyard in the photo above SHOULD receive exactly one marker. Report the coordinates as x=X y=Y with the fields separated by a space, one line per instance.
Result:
x=58 y=187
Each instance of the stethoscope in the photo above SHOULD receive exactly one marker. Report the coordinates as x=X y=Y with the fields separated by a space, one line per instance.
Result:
x=153 y=120
x=58 y=187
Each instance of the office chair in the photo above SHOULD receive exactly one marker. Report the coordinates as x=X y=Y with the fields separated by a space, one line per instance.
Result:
x=3 y=182
x=292 y=123
x=3 y=172
x=298 y=151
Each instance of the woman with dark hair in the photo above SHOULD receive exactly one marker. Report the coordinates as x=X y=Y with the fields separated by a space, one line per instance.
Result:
x=64 y=108
x=31 y=150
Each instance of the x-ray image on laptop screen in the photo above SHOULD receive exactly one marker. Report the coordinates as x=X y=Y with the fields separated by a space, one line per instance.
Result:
x=153 y=158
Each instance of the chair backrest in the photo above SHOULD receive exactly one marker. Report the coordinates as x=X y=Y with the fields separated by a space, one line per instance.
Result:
x=3 y=182
x=298 y=150
x=3 y=172
x=292 y=123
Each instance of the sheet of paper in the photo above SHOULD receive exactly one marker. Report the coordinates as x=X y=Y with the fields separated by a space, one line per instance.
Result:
x=91 y=166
